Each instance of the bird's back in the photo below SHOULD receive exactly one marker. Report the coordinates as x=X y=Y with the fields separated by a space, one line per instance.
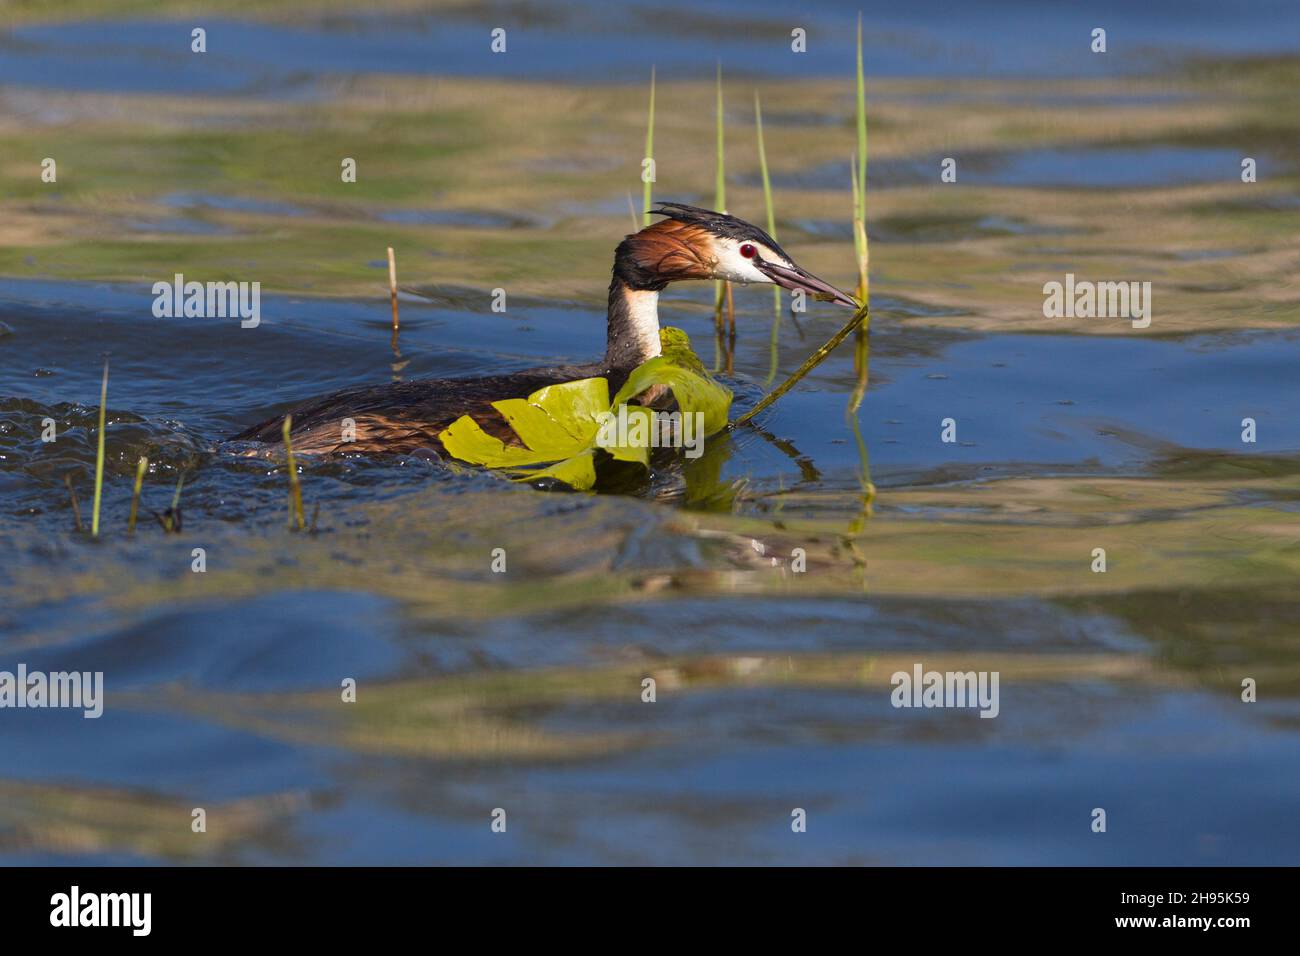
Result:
x=404 y=417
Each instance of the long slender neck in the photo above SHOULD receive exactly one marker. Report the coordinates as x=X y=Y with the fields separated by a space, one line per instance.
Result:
x=633 y=317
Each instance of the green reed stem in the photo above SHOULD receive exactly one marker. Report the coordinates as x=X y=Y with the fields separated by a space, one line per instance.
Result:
x=171 y=518
x=649 y=151
x=631 y=207
x=295 y=490
x=771 y=228
x=859 y=521
x=862 y=125
x=176 y=495
x=141 y=467
x=720 y=173
x=862 y=348
x=76 y=507
x=762 y=168
x=719 y=203
x=99 y=455
x=809 y=364
x=864 y=475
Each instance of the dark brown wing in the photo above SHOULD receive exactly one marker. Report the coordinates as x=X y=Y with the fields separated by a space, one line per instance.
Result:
x=405 y=417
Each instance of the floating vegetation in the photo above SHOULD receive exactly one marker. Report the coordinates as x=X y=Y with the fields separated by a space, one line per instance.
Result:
x=566 y=426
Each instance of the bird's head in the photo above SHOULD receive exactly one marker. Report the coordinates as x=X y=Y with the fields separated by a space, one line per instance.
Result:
x=695 y=243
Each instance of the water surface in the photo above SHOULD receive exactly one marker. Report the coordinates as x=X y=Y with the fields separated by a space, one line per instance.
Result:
x=522 y=690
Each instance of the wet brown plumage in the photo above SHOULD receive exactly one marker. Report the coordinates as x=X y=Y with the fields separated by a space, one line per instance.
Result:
x=407 y=417
x=672 y=251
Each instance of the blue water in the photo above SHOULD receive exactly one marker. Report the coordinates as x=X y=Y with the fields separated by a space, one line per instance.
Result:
x=521 y=691
x=1106 y=403
x=592 y=41
x=1094 y=167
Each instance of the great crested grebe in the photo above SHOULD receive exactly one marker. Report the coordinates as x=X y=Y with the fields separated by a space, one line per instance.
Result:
x=404 y=417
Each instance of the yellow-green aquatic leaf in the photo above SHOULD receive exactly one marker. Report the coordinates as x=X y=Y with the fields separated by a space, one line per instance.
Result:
x=568 y=422
x=464 y=439
x=578 y=472
x=674 y=341
x=632 y=444
x=554 y=422
x=681 y=370
x=694 y=391
x=675 y=344
x=538 y=430
x=574 y=406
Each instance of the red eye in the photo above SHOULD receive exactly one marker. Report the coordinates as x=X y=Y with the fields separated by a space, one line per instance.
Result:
x=748 y=251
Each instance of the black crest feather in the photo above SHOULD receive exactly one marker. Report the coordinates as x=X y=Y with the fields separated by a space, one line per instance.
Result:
x=718 y=223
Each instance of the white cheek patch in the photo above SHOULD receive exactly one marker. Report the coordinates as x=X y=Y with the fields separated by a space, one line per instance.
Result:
x=731 y=265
